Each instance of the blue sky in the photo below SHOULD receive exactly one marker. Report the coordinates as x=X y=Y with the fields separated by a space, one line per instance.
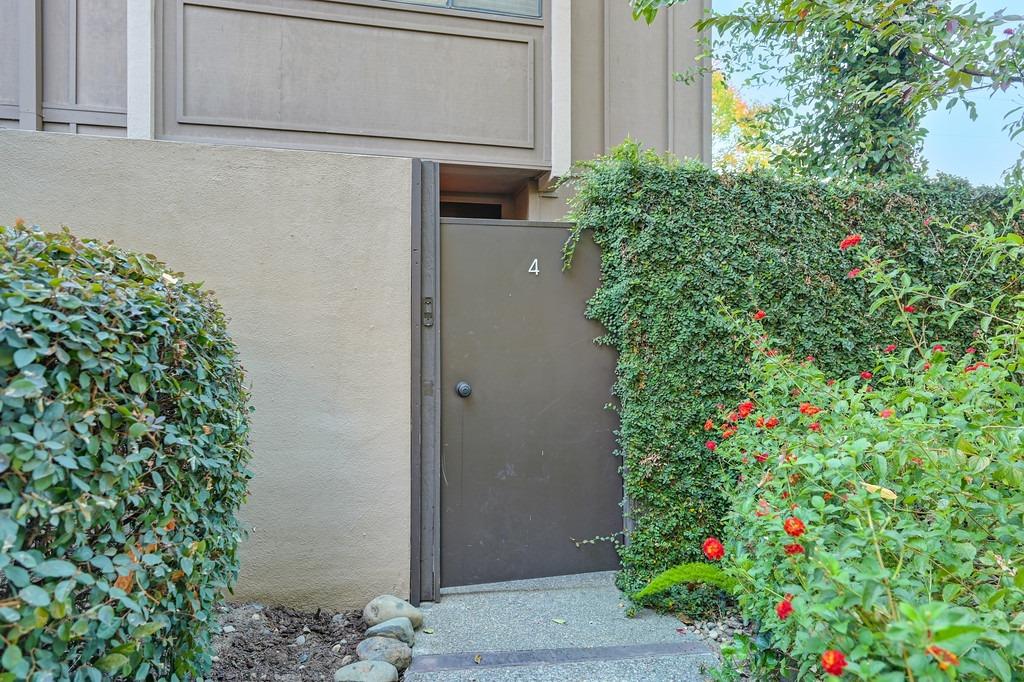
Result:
x=978 y=150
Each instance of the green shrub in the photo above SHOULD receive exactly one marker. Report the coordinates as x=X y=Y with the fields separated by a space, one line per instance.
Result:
x=883 y=516
x=678 y=241
x=123 y=446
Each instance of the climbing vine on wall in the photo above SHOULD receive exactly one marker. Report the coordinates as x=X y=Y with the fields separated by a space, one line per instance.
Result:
x=679 y=244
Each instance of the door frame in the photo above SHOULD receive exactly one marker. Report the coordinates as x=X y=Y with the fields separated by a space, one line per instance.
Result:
x=425 y=541
x=425 y=455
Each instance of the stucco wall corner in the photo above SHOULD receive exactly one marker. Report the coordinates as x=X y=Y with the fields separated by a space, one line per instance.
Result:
x=309 y=253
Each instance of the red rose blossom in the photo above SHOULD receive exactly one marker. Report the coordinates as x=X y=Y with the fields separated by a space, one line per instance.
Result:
x=713 y=549
x=909 y=309
x=784 y=608
x=709 y=425
x=815 y=427
x=761 y=457
x=744 y=409
x=809 y=409
x=773 y=421
x=890 y=348
x=853 y=273
x=885 y=414
x=865 y=375
x=760 y=315
x=849 y=240
x=794 y=526
x=711 y=445
x=938 y=348
x=833 y=661
x=976 y=366
x=971 y=351
x=794 y=549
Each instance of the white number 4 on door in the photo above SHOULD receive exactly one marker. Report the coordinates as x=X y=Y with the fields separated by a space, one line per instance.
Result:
x=534 y=267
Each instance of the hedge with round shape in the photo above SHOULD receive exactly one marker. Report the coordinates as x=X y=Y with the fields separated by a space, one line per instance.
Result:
x=678 y=243
x=123 y=451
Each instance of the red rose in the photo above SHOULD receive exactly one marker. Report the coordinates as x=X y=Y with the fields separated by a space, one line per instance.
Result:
x=784 y=607
x=865 y=375
x=713 y=549
x=971 y=351
x=745 y=408
x=975 y=366
x=853 y=273
x=809 y=409
x=794 y=526
x=890 y=348
x=833 y=661
x=709 y=425
x=848 y=241
x=815 y=427
x=809 y=358
x=909 y=309
x=927 y=365
x=761 y=458
x=938 y=348
x=771 y=422
x=711 y=445
x=728 y=433
x=885 y=414
x=793 y=549
x=760 y=315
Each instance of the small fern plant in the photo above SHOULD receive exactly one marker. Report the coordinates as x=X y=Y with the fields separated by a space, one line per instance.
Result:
x=688 y=574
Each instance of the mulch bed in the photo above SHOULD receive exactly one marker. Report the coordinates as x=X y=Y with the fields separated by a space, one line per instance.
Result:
x=274 y=643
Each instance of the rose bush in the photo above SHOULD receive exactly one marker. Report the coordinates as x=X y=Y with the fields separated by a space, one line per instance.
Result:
x=877 y=530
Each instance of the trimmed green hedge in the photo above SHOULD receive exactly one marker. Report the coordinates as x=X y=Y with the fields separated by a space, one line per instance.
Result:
x=123 y=451
x=679 y=244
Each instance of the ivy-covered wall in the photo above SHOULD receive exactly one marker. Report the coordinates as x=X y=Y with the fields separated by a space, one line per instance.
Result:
x=681 y=244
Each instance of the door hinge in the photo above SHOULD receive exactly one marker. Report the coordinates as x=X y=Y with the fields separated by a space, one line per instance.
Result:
x=428 y=312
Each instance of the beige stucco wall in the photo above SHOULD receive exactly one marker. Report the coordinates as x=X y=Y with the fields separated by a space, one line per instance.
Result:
x=309 y=253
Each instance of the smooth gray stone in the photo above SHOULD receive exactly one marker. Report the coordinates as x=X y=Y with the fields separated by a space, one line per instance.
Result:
x=386 y=607
x=394 y=652
x=396 y=628
x=367 y=671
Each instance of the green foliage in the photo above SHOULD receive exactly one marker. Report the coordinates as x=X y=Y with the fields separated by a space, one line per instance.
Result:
x=677 y=240
x=860 y=74
x=123 y=446
x=908 y=478
x=688 y=574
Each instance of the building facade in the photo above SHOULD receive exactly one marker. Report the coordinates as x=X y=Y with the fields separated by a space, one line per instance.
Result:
x=329 y=167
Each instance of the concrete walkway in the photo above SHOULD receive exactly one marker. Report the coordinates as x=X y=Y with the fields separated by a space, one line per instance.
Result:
x=552 y=629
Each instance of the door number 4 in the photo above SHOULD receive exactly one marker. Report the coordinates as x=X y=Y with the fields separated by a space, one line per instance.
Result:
x=534 y=267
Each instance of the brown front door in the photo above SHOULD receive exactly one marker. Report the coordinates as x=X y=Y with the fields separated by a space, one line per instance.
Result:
x=527 y=463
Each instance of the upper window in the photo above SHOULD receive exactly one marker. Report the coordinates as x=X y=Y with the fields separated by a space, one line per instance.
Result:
x=517 y=8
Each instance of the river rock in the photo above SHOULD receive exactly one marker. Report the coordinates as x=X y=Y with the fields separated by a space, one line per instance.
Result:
x=367 y=671
x=386 y=607
x=394 y=652
x=396 y=628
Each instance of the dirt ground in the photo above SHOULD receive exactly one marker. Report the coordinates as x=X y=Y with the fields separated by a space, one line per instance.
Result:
x=273 y=643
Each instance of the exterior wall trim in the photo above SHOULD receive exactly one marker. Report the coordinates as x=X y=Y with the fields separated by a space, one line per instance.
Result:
x=141 y=39
x=561 y=87
x=30 y=65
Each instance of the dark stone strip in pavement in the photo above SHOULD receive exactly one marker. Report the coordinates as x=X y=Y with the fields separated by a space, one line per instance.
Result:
x=489 y=659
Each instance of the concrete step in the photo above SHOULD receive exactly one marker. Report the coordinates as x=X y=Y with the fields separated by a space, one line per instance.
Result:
x=685 y=661
x=565 y=628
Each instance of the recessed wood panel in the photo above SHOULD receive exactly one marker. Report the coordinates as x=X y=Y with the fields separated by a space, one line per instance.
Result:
x=254 y=66
x=9 y=53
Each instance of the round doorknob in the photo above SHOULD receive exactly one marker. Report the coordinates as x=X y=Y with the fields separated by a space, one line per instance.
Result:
x=463 y=389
